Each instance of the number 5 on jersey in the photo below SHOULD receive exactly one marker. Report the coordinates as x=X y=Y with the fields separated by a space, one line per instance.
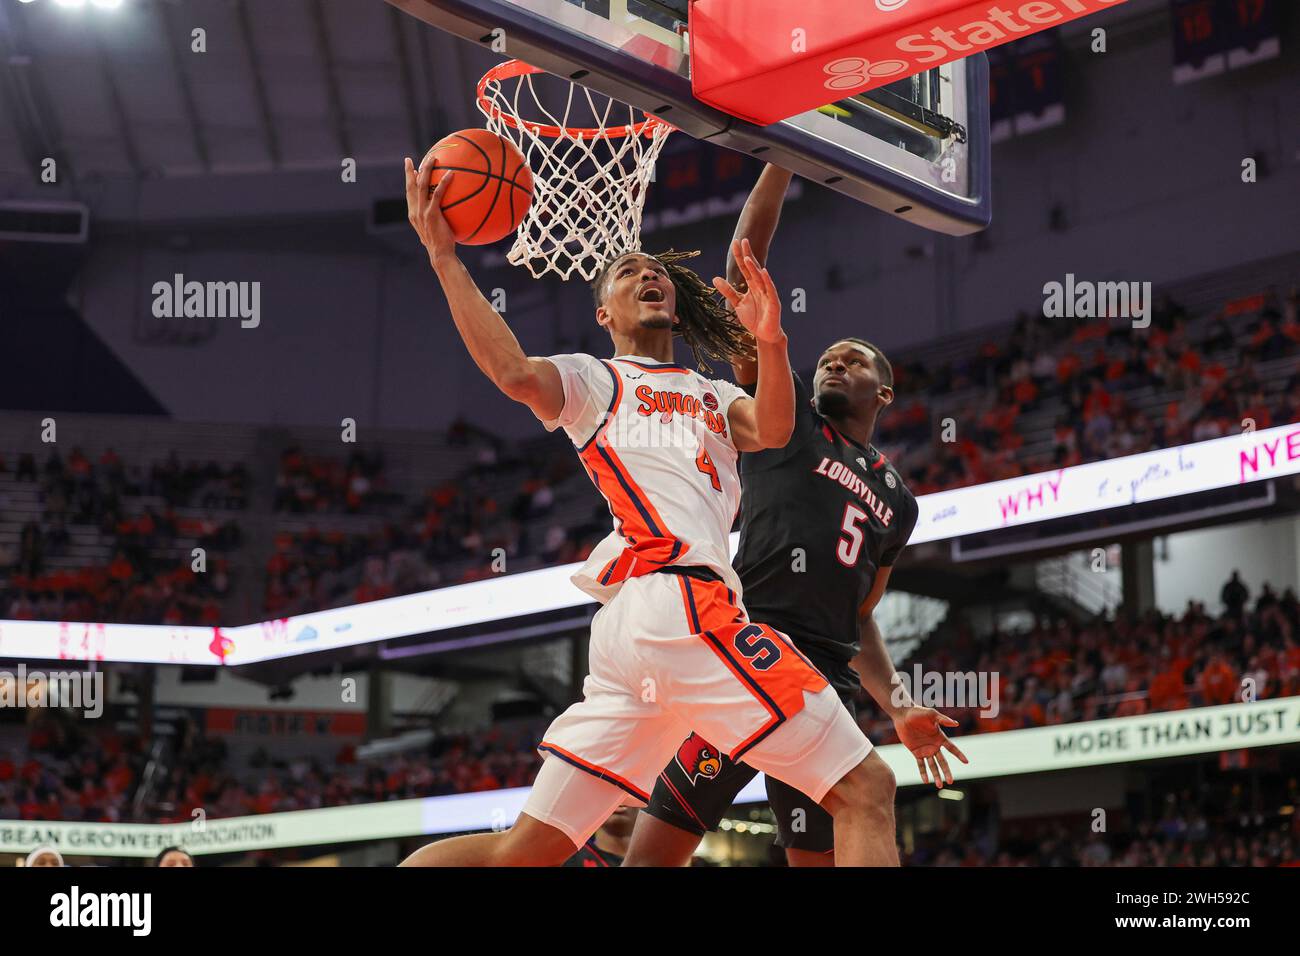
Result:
x=850 y=545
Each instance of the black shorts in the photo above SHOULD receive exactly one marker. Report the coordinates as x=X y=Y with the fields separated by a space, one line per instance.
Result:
x=699 y=784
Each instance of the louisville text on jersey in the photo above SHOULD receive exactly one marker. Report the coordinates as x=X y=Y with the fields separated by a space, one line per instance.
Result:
x=840 y=473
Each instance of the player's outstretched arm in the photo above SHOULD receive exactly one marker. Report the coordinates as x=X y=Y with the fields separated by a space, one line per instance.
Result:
x=766 y=420
x=535 y=382
x=920 y=729
x=757 y=223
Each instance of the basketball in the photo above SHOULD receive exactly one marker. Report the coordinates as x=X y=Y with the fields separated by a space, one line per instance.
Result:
x=492 y=189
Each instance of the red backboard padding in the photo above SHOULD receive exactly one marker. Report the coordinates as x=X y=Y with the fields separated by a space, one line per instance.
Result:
x=767 y=60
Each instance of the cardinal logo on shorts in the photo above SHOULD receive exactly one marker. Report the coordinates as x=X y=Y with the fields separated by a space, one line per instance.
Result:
x=698 y=758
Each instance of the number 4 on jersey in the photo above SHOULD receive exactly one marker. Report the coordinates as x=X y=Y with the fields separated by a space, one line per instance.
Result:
x=705 y=464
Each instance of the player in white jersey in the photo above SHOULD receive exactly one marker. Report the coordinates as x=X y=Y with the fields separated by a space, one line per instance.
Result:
x=672 y=649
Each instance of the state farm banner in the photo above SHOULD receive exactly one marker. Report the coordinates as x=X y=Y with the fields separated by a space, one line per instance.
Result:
x=768 y=60
x=1102 y=485
x=1115 y=483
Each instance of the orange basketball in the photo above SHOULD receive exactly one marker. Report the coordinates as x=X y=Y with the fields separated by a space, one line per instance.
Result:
x=492 y=188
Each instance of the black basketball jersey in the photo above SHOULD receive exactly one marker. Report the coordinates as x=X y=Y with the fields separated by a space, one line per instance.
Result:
x=592 y=855
x=818 y=518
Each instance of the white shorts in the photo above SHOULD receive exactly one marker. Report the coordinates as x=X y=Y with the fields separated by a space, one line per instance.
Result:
x=670 y=655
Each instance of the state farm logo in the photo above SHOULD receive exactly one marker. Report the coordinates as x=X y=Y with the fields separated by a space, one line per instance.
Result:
x=851 y=72
x=946 y=37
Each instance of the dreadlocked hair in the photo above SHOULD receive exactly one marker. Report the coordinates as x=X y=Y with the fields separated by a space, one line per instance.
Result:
x=705 y=321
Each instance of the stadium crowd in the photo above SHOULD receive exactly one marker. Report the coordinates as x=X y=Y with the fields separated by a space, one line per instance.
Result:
x=146 y=578
x=313 y=484
x=1091 y=373
x=1184 y=835
x=1061 y=672
x=65 y=770
x=497 y=513
x=202 y=776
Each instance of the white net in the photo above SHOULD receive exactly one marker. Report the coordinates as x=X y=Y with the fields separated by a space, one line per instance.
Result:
x=589 y=182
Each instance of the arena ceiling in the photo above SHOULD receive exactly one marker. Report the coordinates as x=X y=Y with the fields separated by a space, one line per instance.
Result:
x=283 y=85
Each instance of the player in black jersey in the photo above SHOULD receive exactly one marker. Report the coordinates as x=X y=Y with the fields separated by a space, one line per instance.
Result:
x=608 y=845
x=822 y=522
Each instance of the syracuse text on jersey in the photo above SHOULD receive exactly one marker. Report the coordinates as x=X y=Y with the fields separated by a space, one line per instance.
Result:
x=663 y=419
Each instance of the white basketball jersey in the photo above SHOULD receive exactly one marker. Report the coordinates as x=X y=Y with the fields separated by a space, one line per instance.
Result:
x=656 y=442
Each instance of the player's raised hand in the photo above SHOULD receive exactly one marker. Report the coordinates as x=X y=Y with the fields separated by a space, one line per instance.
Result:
x=920 y=730
x=759 y=307
x=424 y=209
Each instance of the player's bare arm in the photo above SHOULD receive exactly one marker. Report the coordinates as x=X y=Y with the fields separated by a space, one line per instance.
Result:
x=766 y=420
x=757 y=223
x=920 y=729
x=534 y=382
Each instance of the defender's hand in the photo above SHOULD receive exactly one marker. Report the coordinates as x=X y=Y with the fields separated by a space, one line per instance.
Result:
x=759 y=308
x=424 y=210
x=920 y=731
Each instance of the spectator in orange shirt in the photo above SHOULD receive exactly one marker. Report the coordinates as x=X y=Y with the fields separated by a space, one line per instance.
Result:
x=1133 y=704
x=1098 y=401
x=119 y=779
x=120 y=569
x=1189 y=363
x=1218 y=683
x=1025 y=392
x=1067 y=368
x=1167 y=691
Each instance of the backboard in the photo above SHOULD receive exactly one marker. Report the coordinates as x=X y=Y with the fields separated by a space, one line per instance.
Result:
x=917 y=149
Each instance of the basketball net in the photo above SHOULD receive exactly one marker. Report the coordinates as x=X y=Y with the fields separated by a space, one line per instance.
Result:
x=589 y=183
